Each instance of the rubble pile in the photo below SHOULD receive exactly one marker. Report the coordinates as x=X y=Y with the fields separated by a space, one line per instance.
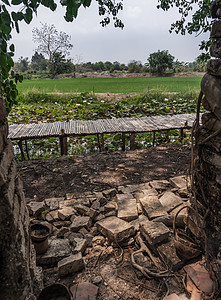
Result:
x=86 y=225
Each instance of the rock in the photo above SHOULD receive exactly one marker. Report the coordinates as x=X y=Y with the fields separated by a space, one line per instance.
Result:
x=109 y=207
x=83 y=231
x=71 y=264
x=168 y=220
x=84 y=291
x=110 y=213
x=159 y=185
x=145 y=192
x=127 y=209
x=136 y=223
x=215 y=48
x=154 y=232
x=61 y=232
x=99 y=217
x=216 y=30
x=80 y=246
x=100 y=197
x=57 y=250
x=52 y=216
x=35 y=208
x=139 y=208
x=115 y=229
x=82 y=210
x=110 y=193
x=184 y=193
x=93 y=213
x=98 y=240
x=178 y=297
x=179 y=182
x=96 y=205
x=66 y=213
x=74 y=202
x=168 y=251
x=53 y=203
x=89 y=238
x=152 y=207
x=121 y=197
x=214 y=67
x=170 y=201
x=80 y=222
x=59 y=224
x=97 y=280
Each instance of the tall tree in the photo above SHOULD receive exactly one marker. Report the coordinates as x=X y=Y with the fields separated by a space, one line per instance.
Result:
x=38 y=62
x=50 y=41
x=159 y=61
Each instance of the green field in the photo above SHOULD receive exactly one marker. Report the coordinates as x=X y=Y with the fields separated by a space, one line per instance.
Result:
x=112 y=85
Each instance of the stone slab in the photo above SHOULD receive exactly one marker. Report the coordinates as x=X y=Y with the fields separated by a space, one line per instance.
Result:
x=35 y=208
x=168 y=251
x=170 y=201
x=66 y=213
x=146 y=192
x=110 y=193
x=154 y=232
x=53 y=203
x=80 y=246
x=136 y=222
x=159 y=185
x=80 y=222
x=127 y=209
x=120 y=197
x=115 y=229
x=74 y=202
x=82 y=210
x=57 y=250
x=70 y=264
x=179 y=182
x=152 y=207
x=52 y=216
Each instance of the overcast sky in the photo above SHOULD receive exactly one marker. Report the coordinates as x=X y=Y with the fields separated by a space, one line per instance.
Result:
x=146 y=31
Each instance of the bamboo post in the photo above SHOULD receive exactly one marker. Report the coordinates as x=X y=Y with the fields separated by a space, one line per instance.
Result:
x=26 y=148
x=21 y=149
x=123 y=142
x=99 y=143
x=63 y=143
x=154 y=138
x=168 y=136
x=132 y=141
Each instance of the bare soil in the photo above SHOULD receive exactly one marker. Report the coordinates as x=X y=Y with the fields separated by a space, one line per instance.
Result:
x=98 y=171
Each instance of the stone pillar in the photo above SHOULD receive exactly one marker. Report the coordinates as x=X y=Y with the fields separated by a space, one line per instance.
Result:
x=207 y=164
x=15 y=249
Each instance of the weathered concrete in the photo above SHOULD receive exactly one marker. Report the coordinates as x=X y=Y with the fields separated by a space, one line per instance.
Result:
x=170 y=201
x=168 y=251
x=80 y=222
x=152 y=207
x=115 y=229
x=154 y=232
x=71 y=264
x=57 y=250
x=127 y=209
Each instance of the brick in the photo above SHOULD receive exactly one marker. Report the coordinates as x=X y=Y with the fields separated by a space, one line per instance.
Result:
x=170 y=201
x=168 y=251
x=127 y=209
x=179 y=182
x=35 y=208
x=80 y=222
x=154 y=232
x=80 y=246
x=71 y=264
x=66 y=213
x=159 y=185
x=115 y=229
x=5 y=163
x=152 y=207
x=57 y=250
x=53 y=203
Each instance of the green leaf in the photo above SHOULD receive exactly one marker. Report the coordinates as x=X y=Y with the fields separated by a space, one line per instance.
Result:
x=12 y=48
x=28 y=16
x=14 y=16
x=16 y=2
x=6 y=2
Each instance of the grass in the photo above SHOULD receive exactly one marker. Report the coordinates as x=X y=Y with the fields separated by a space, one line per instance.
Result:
x=112 y=85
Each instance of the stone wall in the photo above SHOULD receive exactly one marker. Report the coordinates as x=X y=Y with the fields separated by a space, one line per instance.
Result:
x=15 y=248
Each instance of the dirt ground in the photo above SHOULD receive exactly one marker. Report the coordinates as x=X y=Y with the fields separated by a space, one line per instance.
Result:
x=99 y=171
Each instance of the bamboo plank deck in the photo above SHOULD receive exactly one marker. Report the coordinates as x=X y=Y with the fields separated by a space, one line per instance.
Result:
x=62 y=130
x=121 y=125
